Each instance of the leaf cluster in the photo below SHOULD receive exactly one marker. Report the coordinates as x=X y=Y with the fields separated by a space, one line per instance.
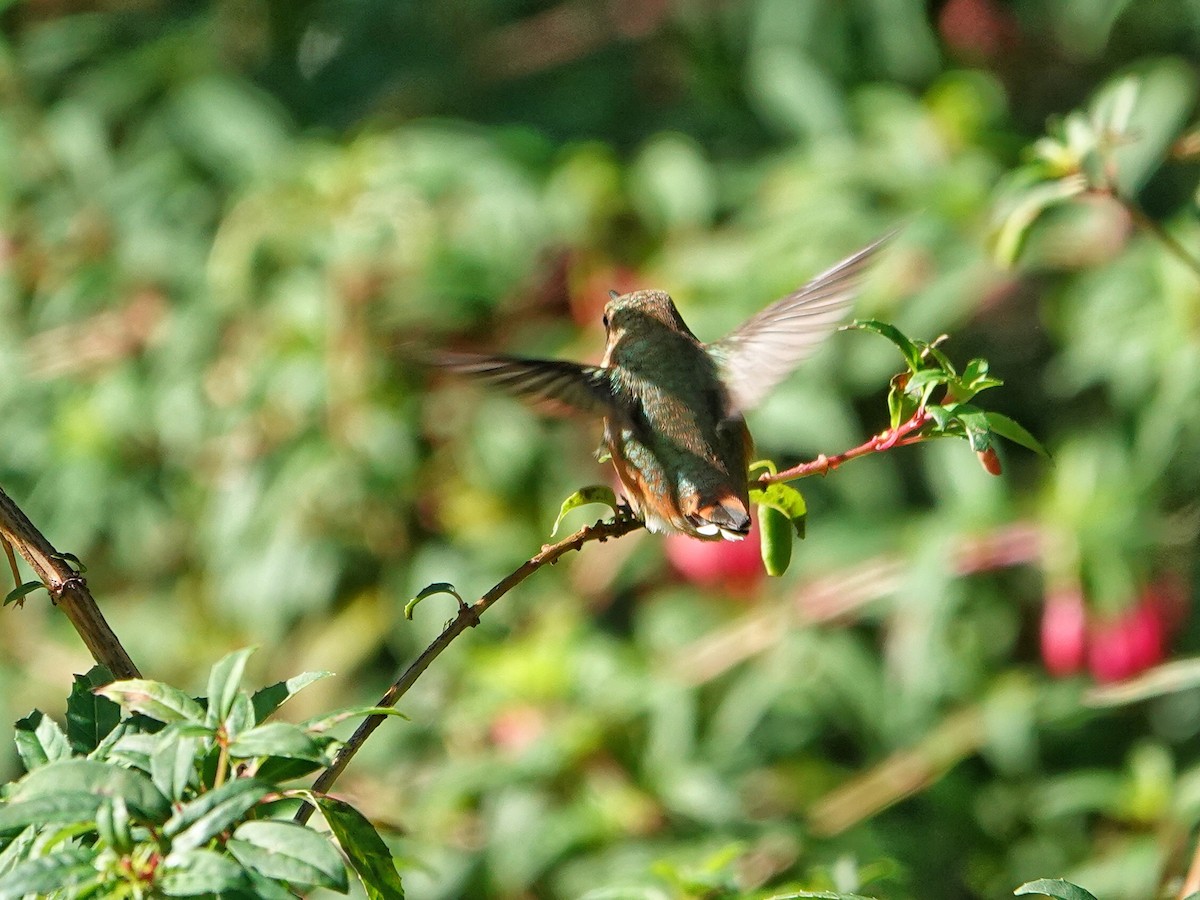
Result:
x=151 y=792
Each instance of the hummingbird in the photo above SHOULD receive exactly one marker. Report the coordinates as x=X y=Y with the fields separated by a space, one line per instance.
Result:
x=674 y=407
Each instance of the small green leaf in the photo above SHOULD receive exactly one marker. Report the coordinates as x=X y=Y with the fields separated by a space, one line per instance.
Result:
x=113 y=825
x=154 y=699
x=65 y=870
x=328 y=720
x=90 y=718
x=776 y=536
x=438 y=587
x=196 y=823
x=62 y=808
x=1015 y=432
x=73 y=561
x=224 y=682
x=94 y=777
x=289 y=852
x=1023 y=210
x=364 y=847
x=173 y=762
x=19 y=593
x=199 y=872
x=270 y=698
x=1054 y=887
x=595 y=493
x=784 y=498
x=277 y=739
x=39 y=740
x=908 y=348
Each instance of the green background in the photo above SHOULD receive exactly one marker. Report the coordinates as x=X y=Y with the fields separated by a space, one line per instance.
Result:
x=227 y=229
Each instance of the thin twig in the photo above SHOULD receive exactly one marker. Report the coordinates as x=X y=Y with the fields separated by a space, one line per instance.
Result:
x=67 y=588
x=468 y=616
x=900 y=436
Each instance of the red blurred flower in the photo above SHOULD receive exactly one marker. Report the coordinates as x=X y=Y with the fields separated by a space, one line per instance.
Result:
x=729 y=564
x=1064 y=631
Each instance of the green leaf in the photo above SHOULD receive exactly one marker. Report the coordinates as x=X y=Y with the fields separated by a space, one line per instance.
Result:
x=173 y=762
x=90 y=717
x=100 y=779
x=224 y=682
x=192 y=872
x=197 y=822
x=65 y=870
x=154 y=699
x=784 y=498
x=438 y=587
x=269 y=699
x=776 y=537
x=289 y=852
x=367 y=852
x=908 y=349
x=1025 y=207
x=113 y=824
x=1015 y=432
x=1054 y=887
x=595 y=493
x=325 y=722
x=62 y=808
x=277 y=739
x=20 y=592
x=39 y=740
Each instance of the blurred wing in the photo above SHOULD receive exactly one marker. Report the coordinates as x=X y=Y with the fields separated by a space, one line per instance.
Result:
x=562 y=386
x=764 y=349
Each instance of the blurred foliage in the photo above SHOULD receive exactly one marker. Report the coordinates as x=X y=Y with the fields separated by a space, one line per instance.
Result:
x=226 y=227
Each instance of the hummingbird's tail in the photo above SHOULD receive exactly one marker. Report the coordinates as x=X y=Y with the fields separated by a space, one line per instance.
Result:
x=728 y=517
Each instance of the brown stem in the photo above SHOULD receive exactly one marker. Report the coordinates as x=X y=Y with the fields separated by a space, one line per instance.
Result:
x=468 y=616
x=901 y=435
x=67 y=588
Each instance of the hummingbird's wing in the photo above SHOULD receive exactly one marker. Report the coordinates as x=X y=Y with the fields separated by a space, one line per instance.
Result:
x=765 y=348
x=558 y=384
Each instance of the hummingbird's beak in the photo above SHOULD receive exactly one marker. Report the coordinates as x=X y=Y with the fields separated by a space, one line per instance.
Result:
x=613 y=295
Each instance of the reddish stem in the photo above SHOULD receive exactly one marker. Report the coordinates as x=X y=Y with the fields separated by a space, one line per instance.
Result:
x=900 y=436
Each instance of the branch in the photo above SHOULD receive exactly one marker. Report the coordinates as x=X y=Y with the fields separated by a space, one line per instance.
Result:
x=900 y=436
x=67 y=588
x=468 y=617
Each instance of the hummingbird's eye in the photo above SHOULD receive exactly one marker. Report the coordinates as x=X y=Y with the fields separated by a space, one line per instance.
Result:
x=604 y=319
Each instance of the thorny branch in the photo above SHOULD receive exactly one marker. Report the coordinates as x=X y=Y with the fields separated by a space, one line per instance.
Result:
x=67 y=588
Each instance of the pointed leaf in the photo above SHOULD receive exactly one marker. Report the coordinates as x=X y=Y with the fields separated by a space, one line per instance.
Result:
x=90 y=717
x=100 y=779
x=39 y=740
x=277 y=739
x=289 y=852
x=908 y=349
x=269 y=699
x=595 y=493
x=21 y=591
x=173 y=762
x=65 y=808
x=196 y=823
x=438 y=587
x=1054 y=887
x=199 y=872
x=154 y=699
x=365 y=848
x=66 y=870
x=1015 y=432
x=224 y=682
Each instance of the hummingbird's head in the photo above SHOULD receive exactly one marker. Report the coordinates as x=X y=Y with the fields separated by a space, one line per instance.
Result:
x=642 y=311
